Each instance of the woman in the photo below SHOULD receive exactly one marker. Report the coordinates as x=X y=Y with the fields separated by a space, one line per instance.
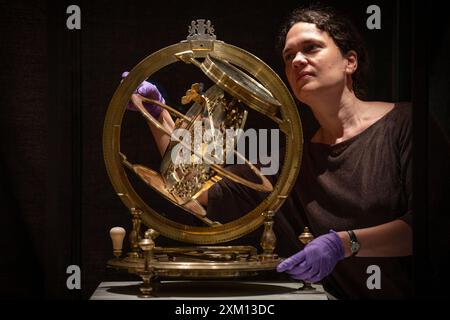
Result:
x=356 y=170
x=354 y=187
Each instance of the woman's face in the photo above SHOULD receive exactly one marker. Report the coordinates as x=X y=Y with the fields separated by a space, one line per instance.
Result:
x=313 y=62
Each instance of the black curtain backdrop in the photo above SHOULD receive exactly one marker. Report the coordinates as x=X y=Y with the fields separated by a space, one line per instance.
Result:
x=57 y=203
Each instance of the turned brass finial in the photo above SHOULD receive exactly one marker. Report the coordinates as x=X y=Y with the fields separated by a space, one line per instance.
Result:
x=306 y=237
x=147 y=245
x=151 y=234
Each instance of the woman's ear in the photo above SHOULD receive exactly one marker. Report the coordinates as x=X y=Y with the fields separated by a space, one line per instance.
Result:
x=352 y=62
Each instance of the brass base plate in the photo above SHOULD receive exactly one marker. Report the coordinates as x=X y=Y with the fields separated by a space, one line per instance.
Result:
x=200 y=262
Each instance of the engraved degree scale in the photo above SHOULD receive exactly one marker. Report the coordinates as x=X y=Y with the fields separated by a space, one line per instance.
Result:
x=240 y=79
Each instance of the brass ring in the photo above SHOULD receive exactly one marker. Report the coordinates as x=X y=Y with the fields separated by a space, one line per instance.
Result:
x=289 y=123
x=264 y=186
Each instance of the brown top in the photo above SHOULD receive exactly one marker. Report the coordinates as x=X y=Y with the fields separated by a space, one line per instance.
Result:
x=362 y=182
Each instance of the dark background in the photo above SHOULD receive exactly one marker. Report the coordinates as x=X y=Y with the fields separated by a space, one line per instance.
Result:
x=56 y=201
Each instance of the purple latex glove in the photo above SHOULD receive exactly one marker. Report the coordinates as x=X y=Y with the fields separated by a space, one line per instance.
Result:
x=148 y=90
x=316 y=260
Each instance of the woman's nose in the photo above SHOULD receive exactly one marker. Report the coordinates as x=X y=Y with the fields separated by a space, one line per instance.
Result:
x=299 y=60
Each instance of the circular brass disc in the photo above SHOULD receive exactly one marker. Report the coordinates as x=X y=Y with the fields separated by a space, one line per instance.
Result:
x=289 y=124
x=190 y=269
x=156 y=182
x=240 y=85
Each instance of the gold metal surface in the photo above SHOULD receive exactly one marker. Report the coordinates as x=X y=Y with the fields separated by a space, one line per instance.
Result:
x=268 y=238
x=306 y=237
x=147 y=273
x=154 y=180
x=240 y=85
x=135 y=234
x=263 y=186
x=198 y=262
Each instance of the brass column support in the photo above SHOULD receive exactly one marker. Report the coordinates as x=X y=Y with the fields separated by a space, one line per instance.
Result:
x=306 y=237
x=135 y=234
x=147 y=245
x=268 y=238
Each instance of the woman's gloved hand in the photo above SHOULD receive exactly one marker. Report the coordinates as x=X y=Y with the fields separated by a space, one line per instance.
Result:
x=148 y=90
x=316 y=260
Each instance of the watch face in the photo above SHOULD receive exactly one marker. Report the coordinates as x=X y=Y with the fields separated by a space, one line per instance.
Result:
x=354 y=247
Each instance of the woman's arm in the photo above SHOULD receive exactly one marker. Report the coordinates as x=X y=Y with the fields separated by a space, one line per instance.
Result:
x=203 y=198
x=162 y=140
x=392 y=239
x=319 y=257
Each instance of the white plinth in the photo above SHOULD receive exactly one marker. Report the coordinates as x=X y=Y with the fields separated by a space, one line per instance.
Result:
x=210 y=290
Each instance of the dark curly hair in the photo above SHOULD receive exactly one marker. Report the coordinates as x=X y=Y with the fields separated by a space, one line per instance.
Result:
x=340 y=29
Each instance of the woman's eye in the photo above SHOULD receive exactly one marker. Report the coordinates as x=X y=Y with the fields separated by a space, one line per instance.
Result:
x=311 y=47
x=289 y=57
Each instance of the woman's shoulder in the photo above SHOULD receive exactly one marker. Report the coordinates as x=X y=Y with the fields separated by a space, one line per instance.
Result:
x=398 y=120
x=401 y=113
x=394 y=119
x=390 y=111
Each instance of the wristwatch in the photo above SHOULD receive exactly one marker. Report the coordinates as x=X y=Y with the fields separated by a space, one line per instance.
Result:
x=354 y=244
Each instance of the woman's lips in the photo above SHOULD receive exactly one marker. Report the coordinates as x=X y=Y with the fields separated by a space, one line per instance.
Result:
x=303 y=75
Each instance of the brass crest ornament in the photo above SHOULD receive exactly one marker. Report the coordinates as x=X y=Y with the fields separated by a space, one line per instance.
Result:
x=201 y=30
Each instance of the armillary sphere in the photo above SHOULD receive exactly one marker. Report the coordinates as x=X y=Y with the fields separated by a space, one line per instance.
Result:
x=241 y=80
